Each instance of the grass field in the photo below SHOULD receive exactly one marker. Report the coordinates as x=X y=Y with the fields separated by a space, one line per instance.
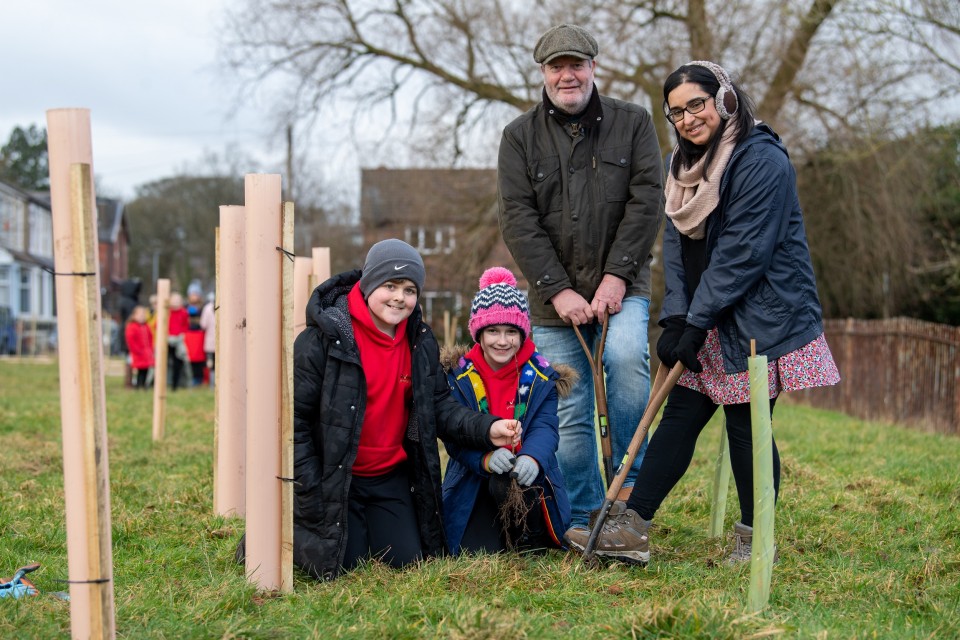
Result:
x=868 y=528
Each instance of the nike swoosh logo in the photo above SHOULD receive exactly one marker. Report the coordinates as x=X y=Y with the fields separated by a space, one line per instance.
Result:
x=398 y=267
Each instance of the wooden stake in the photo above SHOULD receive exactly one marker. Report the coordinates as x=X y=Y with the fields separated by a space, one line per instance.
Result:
x=93 y=415
x=82 y=398
x=286 y=404
x=302 y=267
x=160 y=359
x=762 y=549
x=721 y=485
x=447 y=329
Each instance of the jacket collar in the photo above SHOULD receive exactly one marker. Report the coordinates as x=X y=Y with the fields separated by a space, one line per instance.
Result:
x=590 y=116
x=452 y=361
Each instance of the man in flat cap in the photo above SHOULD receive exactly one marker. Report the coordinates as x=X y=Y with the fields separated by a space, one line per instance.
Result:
x=580 y=206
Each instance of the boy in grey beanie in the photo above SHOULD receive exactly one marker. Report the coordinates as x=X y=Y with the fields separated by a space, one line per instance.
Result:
x=391 y=259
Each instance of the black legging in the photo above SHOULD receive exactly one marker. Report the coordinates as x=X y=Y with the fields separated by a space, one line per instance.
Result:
x=382 y=521
x=176 y=368
x=484 y=530
x=671 y=450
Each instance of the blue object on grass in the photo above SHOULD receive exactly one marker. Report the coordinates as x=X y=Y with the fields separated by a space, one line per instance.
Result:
x=17 y=587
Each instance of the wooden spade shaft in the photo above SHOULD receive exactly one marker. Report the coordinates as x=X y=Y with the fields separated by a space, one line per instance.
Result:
x=600 y=397
x=662 y=386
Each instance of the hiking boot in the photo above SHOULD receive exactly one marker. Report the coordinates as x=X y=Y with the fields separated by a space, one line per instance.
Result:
x=618 y=506
x=623 y=536
x=743 y=545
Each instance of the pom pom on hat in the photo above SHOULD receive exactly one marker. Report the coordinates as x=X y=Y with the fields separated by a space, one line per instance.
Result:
x=497 y=275
x=499 y=302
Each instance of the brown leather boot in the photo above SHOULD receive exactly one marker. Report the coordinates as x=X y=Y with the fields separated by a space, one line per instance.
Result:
x=743 y=545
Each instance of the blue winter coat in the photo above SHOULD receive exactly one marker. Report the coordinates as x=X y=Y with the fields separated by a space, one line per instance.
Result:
x=465 y=474
x=758 y=282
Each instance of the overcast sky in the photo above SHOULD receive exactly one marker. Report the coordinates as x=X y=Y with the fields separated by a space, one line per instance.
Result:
x=146 y=71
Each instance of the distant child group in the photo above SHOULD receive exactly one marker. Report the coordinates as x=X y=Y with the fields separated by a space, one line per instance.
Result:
x=580 y=207
x=190 y=341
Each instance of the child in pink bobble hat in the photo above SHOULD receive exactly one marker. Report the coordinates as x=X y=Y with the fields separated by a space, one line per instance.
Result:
x=503 y=375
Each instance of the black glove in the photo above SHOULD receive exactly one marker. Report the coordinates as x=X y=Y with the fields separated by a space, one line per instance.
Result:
x=688 y=347
x=672 y=330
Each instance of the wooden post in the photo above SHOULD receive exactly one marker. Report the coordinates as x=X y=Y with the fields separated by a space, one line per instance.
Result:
x=93 y=414
x=447 y=329
x=762 y=548
x=262 y=197
x=160 y=359
x=82 y=398
x=721 y=485
x=848 y=351
x=230 y=496
x=302 y=267
x=286 y=404
x=35 y=347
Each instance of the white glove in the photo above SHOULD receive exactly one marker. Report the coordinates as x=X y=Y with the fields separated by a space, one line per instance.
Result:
x=501 y=461
x=525 y=470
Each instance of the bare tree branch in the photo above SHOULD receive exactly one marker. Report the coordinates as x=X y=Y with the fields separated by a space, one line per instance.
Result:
x=791 y=62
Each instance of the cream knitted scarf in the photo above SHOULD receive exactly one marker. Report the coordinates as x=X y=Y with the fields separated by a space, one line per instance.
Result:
x=689 y=198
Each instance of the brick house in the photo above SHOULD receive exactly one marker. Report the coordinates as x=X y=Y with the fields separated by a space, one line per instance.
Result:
x=113 y=240
x=450 y=217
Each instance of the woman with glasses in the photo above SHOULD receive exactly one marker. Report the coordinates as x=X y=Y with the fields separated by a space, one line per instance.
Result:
x=737 y=268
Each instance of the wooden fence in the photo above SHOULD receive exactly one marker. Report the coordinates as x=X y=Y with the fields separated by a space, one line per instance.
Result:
x=899 y=370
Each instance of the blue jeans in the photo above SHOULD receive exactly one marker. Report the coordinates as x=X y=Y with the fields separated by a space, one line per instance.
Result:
x=626 y=362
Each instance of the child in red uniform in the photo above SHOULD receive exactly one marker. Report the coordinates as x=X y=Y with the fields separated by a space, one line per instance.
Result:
x=178 y=324
x=139 y=345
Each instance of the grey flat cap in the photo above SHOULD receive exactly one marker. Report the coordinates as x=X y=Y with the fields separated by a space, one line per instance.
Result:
x=565 y=40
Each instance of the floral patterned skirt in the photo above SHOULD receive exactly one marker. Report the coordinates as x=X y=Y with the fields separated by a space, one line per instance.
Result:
x=809 y=366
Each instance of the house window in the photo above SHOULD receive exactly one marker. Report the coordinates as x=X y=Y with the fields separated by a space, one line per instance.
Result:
x=431 y=239
x=10 y=232
x=40 y=232
x=24 y=292
x=44 y=307
x=5 y=286
x=435 y=303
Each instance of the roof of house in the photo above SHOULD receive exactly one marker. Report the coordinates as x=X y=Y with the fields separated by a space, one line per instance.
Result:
x=442 y=195
x=29 y=258
x=110 y=218
x=110 y=222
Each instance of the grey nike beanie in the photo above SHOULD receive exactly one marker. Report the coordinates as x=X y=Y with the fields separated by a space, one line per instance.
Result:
x=391 y=259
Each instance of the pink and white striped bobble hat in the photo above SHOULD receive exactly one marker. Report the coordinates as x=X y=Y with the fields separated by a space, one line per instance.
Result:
x=499 y=302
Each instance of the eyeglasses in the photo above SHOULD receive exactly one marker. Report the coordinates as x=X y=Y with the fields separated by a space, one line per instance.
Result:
x=694 y=106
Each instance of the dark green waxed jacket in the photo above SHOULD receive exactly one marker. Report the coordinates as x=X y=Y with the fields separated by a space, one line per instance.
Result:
x=578 y=202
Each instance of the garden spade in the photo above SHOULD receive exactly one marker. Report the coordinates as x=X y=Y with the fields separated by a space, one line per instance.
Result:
x=662 y=386
x=600 y=396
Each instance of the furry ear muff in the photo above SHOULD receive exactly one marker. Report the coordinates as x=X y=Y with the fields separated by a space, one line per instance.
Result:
x=726 y=99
